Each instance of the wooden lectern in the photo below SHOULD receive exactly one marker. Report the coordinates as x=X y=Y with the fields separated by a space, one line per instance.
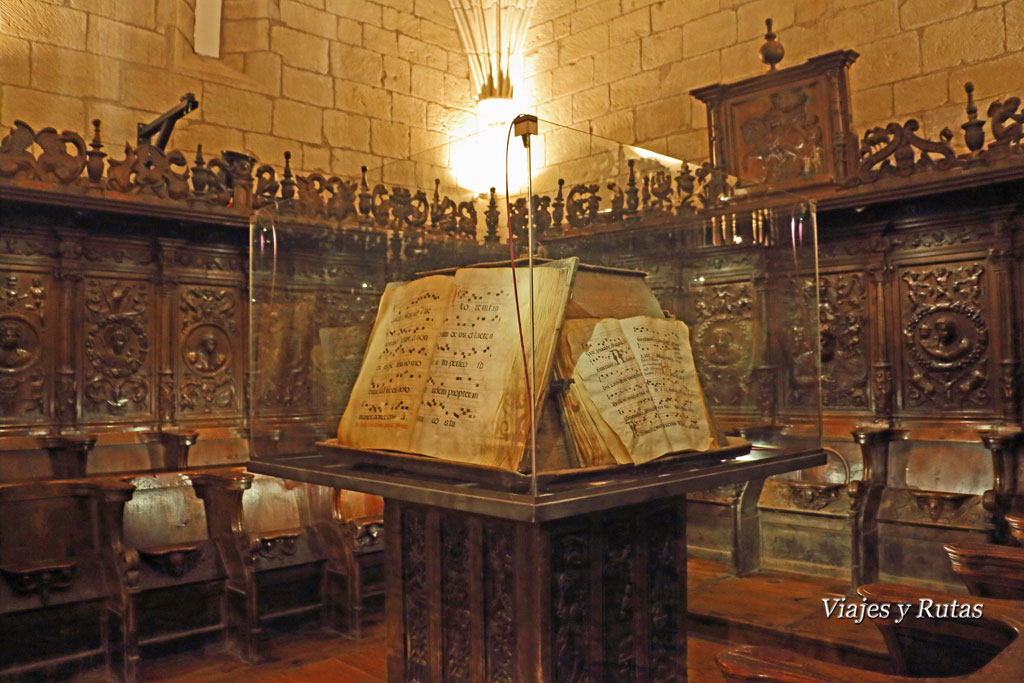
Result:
x=579 y=578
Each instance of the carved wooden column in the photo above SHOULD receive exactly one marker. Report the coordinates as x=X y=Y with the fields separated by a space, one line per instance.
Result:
x=69 y=275
x=1007 y=342
x=166 y=288
x=883 y=382
x=1005 y=497
x=866 y=496
x=765 y=372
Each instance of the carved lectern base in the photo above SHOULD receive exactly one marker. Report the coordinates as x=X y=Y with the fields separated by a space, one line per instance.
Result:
x=584 y=580
x=594 y=597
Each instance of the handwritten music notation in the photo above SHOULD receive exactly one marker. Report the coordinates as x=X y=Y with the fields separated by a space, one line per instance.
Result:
x=457 y=389
x=638 y=374
x=403 y=357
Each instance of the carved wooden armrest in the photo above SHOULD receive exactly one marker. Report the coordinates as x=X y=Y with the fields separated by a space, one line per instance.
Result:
x=173 y=559
x=950 y=634
x=988 y=558
x=273 y=544
x=756 y=663
x=40 y=576
x=367 y=534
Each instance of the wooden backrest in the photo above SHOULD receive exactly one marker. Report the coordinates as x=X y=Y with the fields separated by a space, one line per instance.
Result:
x=43 y=522
x=272 y=504
x=164 y=511
x=985 y=650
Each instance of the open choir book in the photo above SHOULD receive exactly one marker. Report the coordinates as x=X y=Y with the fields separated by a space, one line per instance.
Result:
x=634 y=394
x=443 y=372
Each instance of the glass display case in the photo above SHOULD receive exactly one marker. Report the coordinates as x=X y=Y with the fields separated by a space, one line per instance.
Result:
x=533 y=344
x=738 y=269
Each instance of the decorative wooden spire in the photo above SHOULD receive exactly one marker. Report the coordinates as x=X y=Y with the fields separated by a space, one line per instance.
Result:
x=772 y=50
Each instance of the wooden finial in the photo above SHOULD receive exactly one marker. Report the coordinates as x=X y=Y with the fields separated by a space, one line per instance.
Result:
x=772 y=51
x=974 y=133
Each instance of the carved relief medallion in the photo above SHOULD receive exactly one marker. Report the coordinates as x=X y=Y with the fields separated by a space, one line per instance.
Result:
x=722 y=341
x=946 y=338
x=116 y=346
x=207 y=349
x=19 y=344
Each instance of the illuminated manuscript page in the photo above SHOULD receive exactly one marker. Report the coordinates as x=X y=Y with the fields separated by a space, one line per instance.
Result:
x=474 y=408
x=381 y=412
x=662 y=348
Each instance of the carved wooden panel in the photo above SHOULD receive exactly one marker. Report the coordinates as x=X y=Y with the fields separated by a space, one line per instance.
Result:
x=26 y=377
x=945 y=338
x=210 y=338
x=570 y=603
x=415 y=593
x=666 y=549
x=117 y=345
x=842 y=300
x=499 y=603
x=620 y=562
x=455 y=603
x=722 y=340
x=786 y=129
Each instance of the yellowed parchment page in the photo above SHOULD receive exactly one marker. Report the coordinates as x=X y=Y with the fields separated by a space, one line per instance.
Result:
x=595 y=442
x=662 y=350
x=611 y=374
x=382 y=408
x=474 y=407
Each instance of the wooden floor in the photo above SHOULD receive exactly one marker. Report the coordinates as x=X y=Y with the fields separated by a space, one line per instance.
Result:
x=771 y=608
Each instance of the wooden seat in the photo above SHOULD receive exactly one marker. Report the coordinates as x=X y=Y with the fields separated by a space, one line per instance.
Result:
x=168 y=579
x=351 y=526
x=989 y=649
x=52 y=588
x=989 y=570
x=1016 y=526
x=283 y=554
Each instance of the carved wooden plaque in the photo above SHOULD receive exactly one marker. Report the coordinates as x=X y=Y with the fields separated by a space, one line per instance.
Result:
x=787 y=129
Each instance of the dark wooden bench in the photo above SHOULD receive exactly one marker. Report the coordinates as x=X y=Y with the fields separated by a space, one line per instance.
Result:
x=52 y=587
x=989 y=649
x=285 y=552
x=989 y=570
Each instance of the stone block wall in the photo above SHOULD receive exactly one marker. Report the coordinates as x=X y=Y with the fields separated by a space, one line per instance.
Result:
x=341 y=83
x=623 y=68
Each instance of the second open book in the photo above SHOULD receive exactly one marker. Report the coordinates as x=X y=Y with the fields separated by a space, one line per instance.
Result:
x=443 y=373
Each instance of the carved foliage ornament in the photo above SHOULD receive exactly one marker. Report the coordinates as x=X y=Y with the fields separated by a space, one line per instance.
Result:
x=416 y=606
x=499 y=624
x=22 y=320
x=455 y=614
x=722 y=341
x=946 y=338
x=890 y=151
x=117 y=346
x=570 y=603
